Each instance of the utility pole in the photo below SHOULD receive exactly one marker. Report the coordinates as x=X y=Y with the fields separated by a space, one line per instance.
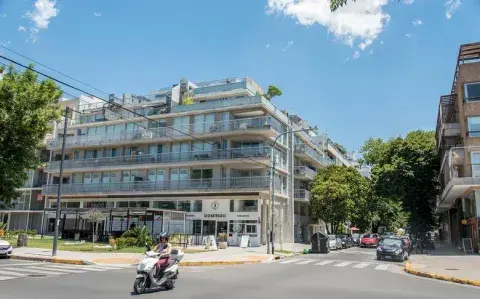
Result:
x=272 y=178
x=59 y=192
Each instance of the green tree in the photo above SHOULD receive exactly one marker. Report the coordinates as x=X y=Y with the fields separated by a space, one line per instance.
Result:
x=94 y=217
x=272 y=92
x=405 y=171
x=337 y=193
x=341 y=148
x=26 y=109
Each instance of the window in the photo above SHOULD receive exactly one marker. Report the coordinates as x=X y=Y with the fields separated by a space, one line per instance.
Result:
x=190 y=206
x=243 y=205
x=472 y=92
x=243 y=226
x=474 y=126
x=182 y=124
x=199 y=174
x=155 y=175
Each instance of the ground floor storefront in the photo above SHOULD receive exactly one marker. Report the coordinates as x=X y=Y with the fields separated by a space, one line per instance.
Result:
x=199 y=216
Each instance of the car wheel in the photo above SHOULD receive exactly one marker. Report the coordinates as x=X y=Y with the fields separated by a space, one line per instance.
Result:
x=379 y=258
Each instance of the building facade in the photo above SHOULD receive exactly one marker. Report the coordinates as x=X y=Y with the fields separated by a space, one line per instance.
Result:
x=204 y=149
x=458 y=143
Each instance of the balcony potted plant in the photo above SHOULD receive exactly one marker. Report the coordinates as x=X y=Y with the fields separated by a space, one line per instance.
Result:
x=222 y=241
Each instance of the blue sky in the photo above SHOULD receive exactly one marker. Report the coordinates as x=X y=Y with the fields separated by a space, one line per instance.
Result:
x=375 y=68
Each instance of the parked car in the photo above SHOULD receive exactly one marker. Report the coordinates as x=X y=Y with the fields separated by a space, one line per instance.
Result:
x=5 y=248
x=369 y=240
x=332 y=242
x=347 y=241
x=339 y=241
x=356 y=239
x=392 y=249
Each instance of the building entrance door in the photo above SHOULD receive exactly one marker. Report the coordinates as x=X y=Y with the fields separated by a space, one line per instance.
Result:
x=222 y=227
x=208 y=227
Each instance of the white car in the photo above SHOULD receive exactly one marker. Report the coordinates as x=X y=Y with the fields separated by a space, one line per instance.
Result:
x=332 y=242
x=5 y=248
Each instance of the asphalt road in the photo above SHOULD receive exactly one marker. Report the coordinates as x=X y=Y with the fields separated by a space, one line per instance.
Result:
x=352 y=273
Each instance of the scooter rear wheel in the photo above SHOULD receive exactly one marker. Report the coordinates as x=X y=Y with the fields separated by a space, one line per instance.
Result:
x=140 y=285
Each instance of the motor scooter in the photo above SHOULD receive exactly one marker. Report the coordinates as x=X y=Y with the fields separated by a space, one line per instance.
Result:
x=147 y=270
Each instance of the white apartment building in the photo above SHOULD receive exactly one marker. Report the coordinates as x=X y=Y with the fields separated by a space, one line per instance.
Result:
x=200 y=169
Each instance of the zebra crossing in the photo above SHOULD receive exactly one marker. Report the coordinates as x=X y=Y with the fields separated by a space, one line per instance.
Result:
x=333 y=263
x=26 y=270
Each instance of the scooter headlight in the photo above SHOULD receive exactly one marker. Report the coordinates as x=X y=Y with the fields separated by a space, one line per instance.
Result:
x=141 y=267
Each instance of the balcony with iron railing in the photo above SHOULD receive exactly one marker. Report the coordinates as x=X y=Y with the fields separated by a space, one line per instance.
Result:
x=307 y=152
x=232 y=184
x=145 y=161
x=265 y=125
x=304 y=172
x=301 y=195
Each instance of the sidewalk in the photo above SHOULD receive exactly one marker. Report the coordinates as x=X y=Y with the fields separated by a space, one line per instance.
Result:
x=229 y=256
x=446 y=263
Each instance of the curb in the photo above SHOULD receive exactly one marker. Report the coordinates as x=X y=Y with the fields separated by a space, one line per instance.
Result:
x=410 y=270
x=49 y=260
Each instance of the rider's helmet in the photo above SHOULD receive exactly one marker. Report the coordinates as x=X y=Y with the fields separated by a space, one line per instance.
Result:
x=164 y=235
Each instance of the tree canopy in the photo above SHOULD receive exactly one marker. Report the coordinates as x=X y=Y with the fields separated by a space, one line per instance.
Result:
x=339 y=194
x=26 y=109
x=273 y=91
x=404 y=174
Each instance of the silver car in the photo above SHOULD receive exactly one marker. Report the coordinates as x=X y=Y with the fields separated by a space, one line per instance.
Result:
x=332 y=242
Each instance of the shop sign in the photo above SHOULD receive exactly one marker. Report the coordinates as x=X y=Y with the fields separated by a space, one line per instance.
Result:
x=215 y=215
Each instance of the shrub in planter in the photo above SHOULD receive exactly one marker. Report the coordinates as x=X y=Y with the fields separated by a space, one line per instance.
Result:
x=124 y=242
x=140 y=234
x=222 y=240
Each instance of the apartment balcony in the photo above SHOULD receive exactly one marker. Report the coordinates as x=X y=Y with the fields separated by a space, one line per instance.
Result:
x=301 y=195
x=306 y=152
x=304 y=173
x=456 y=177
x=258 y=125
x=233 y=184
x=234 y=155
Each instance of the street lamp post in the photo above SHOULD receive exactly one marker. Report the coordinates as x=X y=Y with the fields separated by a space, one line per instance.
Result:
x=59 y=191
x=272 y=178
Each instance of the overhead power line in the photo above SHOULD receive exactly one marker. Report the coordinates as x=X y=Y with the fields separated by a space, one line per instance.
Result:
x=113 y=104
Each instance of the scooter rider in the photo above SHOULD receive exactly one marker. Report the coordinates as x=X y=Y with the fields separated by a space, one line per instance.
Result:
x=165 y=249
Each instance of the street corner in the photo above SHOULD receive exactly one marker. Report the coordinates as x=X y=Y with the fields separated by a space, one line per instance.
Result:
x=412 y=269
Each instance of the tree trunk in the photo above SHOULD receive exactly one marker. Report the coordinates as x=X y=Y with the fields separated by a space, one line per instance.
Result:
x=328 y=230
x=93 y=234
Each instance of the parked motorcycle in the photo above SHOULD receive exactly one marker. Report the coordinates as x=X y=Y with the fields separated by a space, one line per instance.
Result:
x=146 y=271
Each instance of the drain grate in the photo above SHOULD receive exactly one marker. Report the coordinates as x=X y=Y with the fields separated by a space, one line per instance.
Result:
x=452 y=269
x=37 y=275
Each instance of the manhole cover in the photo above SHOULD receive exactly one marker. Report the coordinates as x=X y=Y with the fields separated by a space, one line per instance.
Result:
x=37 y=275
x=452 y=269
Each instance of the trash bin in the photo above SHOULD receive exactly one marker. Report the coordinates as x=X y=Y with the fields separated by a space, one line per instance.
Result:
x=319 y=243
x=22 y=240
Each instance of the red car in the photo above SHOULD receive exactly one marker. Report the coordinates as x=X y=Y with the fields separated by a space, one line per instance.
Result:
x=369 y=240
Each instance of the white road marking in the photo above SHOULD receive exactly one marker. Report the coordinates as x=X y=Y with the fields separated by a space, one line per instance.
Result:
x=12 y=273
x=343 y=264
x=382 y=267
x=289 y=261
x=305 y=262
x=326 y=262
x=362 y=265
x=49 y=268
x=32 y=271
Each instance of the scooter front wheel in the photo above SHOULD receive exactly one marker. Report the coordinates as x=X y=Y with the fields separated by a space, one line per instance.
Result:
x=140 y=285
x=169 y=284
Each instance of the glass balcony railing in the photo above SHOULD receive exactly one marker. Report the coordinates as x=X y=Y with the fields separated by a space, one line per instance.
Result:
x=301 y=194
x=305 y=171
x=244 y=124
x=310 y=152
x=199 y=155
x=202 y=185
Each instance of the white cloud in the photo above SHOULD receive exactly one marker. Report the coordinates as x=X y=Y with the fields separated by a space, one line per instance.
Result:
x=356 y=55
x=44 y=11
x=289 y=44
x=267 y=46
x=97 y=14
x=359 y=21
x=452 y=6
x=409 y=35
x=417 y=22
x=370 y=52
x=408 y=1
x=381 y=42
x=22 y=29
